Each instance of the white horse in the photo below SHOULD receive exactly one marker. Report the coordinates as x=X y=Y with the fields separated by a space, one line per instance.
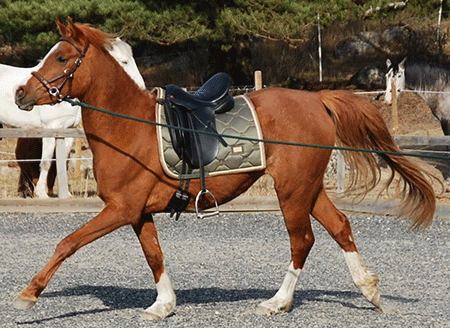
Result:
x=62 y=115
x=430 y=81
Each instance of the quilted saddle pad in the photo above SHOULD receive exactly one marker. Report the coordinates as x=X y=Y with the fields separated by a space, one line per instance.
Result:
x=239 y=156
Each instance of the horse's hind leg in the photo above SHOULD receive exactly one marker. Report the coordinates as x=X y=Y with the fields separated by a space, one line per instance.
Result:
x=48 y=149
x=338 y=226
x=166 y=299
x=295 y=210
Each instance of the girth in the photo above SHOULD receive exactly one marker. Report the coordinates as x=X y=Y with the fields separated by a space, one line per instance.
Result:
x=200 y=145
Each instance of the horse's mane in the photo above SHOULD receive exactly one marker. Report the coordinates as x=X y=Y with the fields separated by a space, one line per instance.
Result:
x=427 y=76
x=99 y=39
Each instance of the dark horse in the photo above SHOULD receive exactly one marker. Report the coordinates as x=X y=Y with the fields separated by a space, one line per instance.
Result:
x=31 y=149
x=26 y=149
x=133 y=185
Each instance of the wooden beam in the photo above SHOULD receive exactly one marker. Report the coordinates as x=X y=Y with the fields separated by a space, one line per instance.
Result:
x=61 y=168
x=41 y=133
x=403 y=141
x=258 y=80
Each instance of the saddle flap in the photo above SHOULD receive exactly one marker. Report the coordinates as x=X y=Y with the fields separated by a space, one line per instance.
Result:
x=197 y=112
x=189 y=145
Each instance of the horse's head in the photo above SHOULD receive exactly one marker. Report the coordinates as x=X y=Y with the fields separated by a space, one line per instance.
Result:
x=396 y=72
x=72 y=57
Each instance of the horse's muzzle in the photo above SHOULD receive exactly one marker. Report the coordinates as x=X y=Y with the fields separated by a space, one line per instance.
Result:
x=378 y=96
x=23 y=102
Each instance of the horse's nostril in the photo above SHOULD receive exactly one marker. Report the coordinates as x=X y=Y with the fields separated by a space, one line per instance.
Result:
x=20 y=93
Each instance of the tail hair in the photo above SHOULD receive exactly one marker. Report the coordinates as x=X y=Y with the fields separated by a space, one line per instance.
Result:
x=360 y=125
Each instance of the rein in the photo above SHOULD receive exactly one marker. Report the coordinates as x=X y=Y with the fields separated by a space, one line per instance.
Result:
x=66 y=75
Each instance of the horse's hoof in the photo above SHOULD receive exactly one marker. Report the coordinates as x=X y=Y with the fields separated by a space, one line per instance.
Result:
x=147 y=316
x=264 y=311
x=386 y=309
x=21 y=303
x=41 y=195
x=273 y=306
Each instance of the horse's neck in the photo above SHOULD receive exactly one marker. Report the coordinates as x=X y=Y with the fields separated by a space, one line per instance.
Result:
x=119 y=94
x=426 y=92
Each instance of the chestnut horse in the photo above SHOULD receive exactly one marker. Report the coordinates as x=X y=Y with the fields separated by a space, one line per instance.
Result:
x=133 y=185
x=62 y=116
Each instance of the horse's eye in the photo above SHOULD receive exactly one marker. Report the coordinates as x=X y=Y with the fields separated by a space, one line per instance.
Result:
x=61 y=60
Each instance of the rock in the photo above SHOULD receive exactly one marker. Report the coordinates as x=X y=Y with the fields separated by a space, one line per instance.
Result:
x=361 y=44
x=395 y=37
x=368 y=77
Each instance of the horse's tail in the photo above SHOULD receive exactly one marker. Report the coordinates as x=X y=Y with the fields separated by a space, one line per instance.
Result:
x=360 y=125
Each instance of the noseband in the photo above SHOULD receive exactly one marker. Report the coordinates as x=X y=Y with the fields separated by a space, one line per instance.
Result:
x=66 y=75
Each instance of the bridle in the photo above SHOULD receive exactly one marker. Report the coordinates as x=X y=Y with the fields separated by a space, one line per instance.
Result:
x=66 y=75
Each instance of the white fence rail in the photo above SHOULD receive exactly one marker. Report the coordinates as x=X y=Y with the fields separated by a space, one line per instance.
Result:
x=59 y=135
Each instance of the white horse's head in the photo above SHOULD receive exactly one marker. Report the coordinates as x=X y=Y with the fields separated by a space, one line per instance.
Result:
x=396 y=72
x=121 y=51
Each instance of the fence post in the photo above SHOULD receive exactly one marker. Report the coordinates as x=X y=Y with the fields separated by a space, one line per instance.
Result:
x=319 y=37
x=77 y=156
x=258 y=80
x=61 y=168
x=394 y=108
x=340 y=171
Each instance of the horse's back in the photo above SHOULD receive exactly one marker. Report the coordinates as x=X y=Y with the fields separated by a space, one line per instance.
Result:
x=293 y=115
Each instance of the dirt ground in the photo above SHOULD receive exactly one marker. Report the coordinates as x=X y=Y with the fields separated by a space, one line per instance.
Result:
x=414 y=115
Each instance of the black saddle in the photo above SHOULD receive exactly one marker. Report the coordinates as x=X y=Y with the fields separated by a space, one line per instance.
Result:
x=197 y=112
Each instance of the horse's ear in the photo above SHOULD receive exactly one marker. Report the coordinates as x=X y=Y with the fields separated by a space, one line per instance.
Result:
x=402 y=63
x=74 y=31
x=388 y=63
x=70 y=30
x=61 y=27
x=70 y=21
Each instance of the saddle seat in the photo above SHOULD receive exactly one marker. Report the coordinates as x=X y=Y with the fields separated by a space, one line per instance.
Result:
x=214 y=93
x=197 y=112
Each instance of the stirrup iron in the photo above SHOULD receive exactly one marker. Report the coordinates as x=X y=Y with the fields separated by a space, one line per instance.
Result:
x=197 y=198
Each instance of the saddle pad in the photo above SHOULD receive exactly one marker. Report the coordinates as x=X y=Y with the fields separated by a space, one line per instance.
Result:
x=238 y=156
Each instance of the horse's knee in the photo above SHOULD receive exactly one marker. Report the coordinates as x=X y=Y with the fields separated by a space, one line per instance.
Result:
x=45 y=165
x=342 y=233
x=334 y=221
x=308 y=240
x=65 y=248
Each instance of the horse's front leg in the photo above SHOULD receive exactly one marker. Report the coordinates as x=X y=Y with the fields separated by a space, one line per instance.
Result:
x=105 y=222
x=166 y=299
x=48 y=149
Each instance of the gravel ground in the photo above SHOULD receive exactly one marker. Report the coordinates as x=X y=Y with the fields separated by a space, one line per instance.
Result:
x=221 y=269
